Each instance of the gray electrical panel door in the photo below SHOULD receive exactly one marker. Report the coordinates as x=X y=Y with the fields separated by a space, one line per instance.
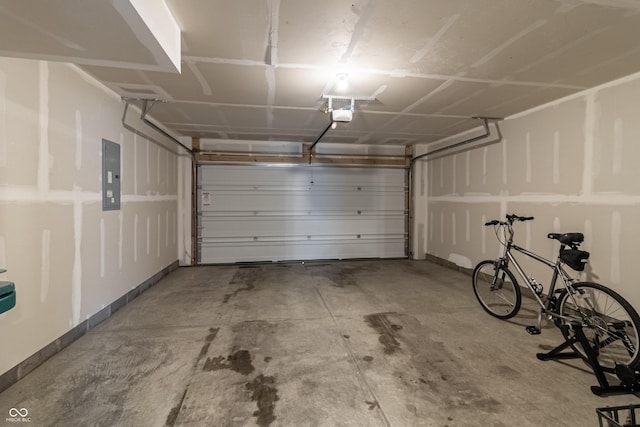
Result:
x=110 y=175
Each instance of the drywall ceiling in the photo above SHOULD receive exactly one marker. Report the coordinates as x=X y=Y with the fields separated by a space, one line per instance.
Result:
x=139 y=34
x=256 y=69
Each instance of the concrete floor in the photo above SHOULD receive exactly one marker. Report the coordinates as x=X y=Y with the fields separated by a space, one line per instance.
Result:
x=363 y=343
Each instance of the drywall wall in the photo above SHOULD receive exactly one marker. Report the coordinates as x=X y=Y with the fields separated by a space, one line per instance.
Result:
x=571 y=164
x=67 y=257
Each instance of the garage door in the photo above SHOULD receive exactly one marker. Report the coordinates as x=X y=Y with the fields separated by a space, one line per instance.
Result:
x=283 y=213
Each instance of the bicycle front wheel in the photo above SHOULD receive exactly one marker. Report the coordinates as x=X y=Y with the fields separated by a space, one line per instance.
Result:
x=610 y=324
x=496 y=289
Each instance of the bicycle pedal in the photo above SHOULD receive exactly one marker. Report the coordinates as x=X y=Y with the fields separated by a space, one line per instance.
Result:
x=533 y=330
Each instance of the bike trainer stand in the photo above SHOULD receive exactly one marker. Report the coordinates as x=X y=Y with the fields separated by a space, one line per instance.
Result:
x=630 y=380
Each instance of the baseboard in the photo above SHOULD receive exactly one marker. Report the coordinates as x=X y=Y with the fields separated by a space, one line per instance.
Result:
x=23 y=368
x=446 y=263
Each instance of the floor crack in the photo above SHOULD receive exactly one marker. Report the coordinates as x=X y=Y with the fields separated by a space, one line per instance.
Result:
x=354 y=362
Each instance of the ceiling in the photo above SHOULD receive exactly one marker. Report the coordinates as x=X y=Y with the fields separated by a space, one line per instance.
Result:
x=257 y=69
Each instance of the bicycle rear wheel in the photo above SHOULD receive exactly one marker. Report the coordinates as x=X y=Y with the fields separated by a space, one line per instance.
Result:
x=610 y=324
x=496 y=289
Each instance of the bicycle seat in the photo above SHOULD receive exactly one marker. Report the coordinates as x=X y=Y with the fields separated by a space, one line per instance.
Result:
x=567 y=238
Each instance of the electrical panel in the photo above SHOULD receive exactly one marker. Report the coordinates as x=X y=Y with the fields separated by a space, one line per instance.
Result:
x=110 y=175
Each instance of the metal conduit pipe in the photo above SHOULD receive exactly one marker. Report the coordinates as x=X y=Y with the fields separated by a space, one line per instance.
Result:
x=144 y=119
x=486 y=134
x=155 y=127
x=145 y=111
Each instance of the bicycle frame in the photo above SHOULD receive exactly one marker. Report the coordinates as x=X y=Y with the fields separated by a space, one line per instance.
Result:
x=556 y=266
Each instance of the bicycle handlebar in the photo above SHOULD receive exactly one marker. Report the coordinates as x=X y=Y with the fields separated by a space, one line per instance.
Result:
x=510 y=219
x=514 y=217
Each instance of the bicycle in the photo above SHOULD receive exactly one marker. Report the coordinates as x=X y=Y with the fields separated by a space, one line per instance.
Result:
x=608 y=321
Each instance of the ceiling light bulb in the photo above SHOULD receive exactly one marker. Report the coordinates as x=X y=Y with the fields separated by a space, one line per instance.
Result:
x=334 y=125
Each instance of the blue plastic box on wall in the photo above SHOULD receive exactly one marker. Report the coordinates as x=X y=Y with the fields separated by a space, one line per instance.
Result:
x=7 y=296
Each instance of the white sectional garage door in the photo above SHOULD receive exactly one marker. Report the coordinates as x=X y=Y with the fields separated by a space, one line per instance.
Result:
x=283 y=213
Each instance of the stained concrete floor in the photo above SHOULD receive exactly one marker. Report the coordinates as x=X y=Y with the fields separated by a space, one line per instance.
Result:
x=362 y=343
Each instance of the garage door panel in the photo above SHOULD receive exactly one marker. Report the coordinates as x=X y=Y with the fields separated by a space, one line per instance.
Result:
x=305 y=202
x=277 y=251
x=298 y=176
x=301 y=226
x=260 y=213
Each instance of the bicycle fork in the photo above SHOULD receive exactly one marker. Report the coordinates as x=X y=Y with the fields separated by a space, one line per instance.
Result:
x=497 y=282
